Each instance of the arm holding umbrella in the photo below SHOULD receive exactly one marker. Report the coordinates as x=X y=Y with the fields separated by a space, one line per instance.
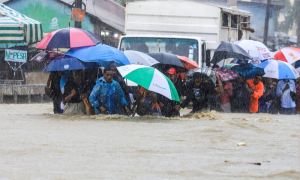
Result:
x=220 y=86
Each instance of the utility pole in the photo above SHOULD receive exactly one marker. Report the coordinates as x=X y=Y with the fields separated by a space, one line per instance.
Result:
x=267 y=22
x=78 y=4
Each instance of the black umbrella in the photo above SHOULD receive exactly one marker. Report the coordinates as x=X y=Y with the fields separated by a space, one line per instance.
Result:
x=47 y=56
x=167 y=61
x=229 y=50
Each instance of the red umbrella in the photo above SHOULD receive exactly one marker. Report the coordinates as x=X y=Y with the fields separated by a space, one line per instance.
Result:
x=68 y=38
x=289 y=55
x=187 y=63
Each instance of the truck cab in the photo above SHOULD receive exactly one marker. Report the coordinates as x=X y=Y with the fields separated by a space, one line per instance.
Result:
x=192 y=47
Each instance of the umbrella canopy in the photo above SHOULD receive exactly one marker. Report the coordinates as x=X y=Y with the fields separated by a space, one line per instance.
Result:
x=65 y=63
x=69 y=38
x=151 y=79
x=101 y=53
x=256 y=49
x=297 y=66
x=167 y=61
x=289 y=55
x=17 y=28
x=47 y=56
x=248 y=70
x=209 y=73
x=136 y=57
x=187 y=63
x=229 y=50
x=226 y=74
x=279 y=70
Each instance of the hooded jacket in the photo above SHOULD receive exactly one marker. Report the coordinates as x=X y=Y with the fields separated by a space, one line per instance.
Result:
x=100 y=96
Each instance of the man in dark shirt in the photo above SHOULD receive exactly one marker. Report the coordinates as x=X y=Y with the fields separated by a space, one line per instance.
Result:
x=168 y=107
x=200 y=93
x=240 y=98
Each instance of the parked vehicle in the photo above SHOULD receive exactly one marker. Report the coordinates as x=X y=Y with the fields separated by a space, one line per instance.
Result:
x=183 y=28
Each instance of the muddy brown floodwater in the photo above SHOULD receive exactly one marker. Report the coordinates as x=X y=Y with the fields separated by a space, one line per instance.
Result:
x=35 y=144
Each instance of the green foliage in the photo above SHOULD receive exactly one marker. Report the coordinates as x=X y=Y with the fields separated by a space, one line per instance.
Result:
x=291 y=16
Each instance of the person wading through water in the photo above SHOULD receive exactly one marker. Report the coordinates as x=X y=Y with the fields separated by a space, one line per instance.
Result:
x=107 y=96
x=168 y=107
x=201 y=92
x=255 y=90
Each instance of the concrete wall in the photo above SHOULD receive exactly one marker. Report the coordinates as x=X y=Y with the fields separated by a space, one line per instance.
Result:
x=36 y=77
x=53 y=14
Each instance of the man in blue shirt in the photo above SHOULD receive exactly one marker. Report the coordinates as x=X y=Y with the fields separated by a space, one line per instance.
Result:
x=107 y=96
x=284 y=88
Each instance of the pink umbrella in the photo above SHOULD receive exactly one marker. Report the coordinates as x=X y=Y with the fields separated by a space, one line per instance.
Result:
x=289 y=55
x=69 y=38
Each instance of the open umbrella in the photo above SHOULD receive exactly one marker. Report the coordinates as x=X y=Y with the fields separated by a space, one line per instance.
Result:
x=101 y=53
x=167 y=61
x=248 y=70
x=256 y=49
x=226 y=74
x=229 y=66
x=68 y=38
x=229 y=50
x=208 y=73
x=136 y=57
x=47 y=56
x=151 y=79
x=279 y=70
x=289 y=55
x=187 y=63
x=65 y=63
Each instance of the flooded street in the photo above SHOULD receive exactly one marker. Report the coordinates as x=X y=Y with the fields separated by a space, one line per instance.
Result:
x=36 y=144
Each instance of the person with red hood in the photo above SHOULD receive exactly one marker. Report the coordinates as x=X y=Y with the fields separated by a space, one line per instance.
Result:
x=255 y=89
x=168 y=107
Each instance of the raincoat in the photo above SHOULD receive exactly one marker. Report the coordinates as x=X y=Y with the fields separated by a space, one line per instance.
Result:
x=258 y=92
x=110 y=96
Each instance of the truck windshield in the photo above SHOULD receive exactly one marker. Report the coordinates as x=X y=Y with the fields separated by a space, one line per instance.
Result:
x=181 y=47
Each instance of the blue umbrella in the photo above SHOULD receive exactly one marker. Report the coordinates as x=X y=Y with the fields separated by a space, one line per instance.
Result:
x=65 y=63
x=248 y=70
x=279 y=70
x=101 y=53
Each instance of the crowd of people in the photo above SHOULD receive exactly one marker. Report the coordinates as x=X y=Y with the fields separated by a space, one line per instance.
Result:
x=92 y=91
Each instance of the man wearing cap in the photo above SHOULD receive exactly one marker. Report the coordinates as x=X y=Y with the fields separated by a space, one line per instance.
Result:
x=255 y=90
x=168 y=107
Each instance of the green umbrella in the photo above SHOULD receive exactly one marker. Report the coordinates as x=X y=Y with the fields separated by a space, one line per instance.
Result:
x=151 y=79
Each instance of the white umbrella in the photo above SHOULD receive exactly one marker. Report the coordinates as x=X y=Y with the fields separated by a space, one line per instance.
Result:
x=257 y=50
x=136 y=57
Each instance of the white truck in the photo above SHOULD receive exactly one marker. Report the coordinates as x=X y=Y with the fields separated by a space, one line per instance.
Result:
x=183 y=28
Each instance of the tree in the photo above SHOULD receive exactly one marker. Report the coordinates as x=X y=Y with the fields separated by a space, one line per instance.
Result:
x=292 y=18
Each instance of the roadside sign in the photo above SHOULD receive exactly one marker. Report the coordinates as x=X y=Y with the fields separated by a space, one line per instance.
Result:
x=77 y=15
x=15 y=55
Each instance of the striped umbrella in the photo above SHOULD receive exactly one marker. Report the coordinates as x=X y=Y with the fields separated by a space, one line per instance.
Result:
x=279 y=70
x=16 y=28
x=69 y=38
x=289 y=55
x=151 y=79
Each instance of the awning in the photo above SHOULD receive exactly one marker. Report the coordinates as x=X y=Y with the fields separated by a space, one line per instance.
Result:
x=16 y=28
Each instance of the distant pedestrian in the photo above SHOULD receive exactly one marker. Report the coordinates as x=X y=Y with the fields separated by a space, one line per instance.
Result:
x=285 y=89
x=225 y=97
x=298 y=95
x=255 y=90
x=267 y=103
x=240 y=99
x=170 y=108
x=107 y=96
